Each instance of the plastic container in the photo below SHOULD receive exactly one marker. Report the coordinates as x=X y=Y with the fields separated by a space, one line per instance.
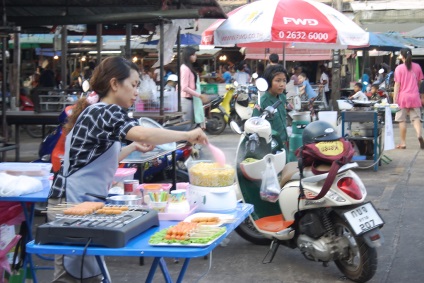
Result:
x=40 y=171
x=206 y=173
x=27 y=169
x=158 y=206
x=123 y=174
x=156 y=192
x=328 y=116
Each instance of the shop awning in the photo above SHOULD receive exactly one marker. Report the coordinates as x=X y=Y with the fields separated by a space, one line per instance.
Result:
x=292 y=54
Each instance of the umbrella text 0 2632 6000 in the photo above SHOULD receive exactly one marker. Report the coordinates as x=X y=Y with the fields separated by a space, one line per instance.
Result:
x=273 y=23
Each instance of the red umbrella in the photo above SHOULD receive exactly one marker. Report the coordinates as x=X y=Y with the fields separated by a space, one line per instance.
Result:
x=273 y=23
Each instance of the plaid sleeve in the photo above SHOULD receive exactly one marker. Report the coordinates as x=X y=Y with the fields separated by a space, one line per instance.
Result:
x=113 y=123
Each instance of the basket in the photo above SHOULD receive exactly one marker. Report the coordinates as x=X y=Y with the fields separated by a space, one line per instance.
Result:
x=253 y=170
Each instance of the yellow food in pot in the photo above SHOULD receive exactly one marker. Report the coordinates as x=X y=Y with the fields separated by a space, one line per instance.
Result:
x=206 y=174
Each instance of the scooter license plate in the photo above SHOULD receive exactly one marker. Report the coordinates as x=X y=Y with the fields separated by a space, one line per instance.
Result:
x=363 y=218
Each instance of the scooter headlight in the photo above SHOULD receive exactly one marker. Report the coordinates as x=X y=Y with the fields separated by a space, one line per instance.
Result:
x=259 y=126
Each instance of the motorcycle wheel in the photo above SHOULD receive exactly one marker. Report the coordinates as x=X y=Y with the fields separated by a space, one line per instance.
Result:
x=247 y=231
x=361 y=263
x=216 y=124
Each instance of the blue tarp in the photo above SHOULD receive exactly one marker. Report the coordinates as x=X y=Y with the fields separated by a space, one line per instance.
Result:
x=185 y=39
x=382 y=42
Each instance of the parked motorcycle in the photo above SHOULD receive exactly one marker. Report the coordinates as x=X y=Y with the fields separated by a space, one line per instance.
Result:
x=338 y=227
x=237 y=105
x=222 y=113
x=215 y=121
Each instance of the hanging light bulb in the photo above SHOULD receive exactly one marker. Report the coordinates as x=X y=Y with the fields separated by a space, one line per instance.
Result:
x=83 y=58
x=55 y=57
x=134 y=59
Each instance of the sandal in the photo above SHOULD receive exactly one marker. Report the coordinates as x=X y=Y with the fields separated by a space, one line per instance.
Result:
x=420 y=139
x=401 y=146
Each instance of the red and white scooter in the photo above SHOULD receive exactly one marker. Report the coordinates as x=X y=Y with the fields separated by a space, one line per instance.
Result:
x=341 y=226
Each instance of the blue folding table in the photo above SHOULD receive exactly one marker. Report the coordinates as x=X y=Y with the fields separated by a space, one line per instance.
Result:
x=28 y=204
x=139 y=246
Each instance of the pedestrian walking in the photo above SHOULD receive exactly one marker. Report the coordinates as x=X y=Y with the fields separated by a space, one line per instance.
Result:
x=408 y=77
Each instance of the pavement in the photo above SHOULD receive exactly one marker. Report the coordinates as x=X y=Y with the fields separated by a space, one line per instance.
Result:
x=396 y=190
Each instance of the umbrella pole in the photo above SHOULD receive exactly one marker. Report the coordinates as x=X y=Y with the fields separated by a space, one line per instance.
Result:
x=284 y=55
x=178 y=69
x=161 y=72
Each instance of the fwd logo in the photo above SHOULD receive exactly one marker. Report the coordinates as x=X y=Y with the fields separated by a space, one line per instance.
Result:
x=304 y=22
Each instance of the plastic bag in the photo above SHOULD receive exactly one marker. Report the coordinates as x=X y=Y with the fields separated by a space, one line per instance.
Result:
x=270 y=187
x=18 y=185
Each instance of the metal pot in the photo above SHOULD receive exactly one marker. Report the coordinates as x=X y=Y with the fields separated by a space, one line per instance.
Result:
x=301 y=116
x=130 y=200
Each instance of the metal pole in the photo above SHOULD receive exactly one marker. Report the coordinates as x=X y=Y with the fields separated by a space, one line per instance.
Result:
x=16 y=69
x=3 y=85
x=99 y=42
x=178 y=68
x=128 y=42
x=64 y=57
x=161 y=73
x=336 y=69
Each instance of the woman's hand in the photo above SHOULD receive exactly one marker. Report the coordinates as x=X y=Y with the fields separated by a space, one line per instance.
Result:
x=197 y=136
x=134 y=146
x=142 y=147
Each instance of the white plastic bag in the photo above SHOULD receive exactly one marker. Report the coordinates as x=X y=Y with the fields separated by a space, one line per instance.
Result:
x=270 y=187
x=18 y=185
x=389 y=141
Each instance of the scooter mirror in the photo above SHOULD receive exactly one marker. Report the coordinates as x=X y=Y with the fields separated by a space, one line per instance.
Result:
x=235 y=127
x=255 y=75
x=85 y=86
x=381 y=71
x=261 y=84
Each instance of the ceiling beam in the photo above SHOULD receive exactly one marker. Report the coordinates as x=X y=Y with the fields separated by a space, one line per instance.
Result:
x=134 y=17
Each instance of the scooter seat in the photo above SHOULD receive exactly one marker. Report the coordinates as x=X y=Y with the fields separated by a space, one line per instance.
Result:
x=273 y=223
x=289 y=170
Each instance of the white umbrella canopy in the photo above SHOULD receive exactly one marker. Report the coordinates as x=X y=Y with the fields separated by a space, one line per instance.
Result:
x=277 y=23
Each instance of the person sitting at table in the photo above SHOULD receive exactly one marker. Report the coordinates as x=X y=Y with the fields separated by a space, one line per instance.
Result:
x=359 y=95
x=93 y=145
x=373 y=94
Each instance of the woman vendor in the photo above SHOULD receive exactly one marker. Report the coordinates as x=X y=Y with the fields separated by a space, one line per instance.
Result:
x=93 y=146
